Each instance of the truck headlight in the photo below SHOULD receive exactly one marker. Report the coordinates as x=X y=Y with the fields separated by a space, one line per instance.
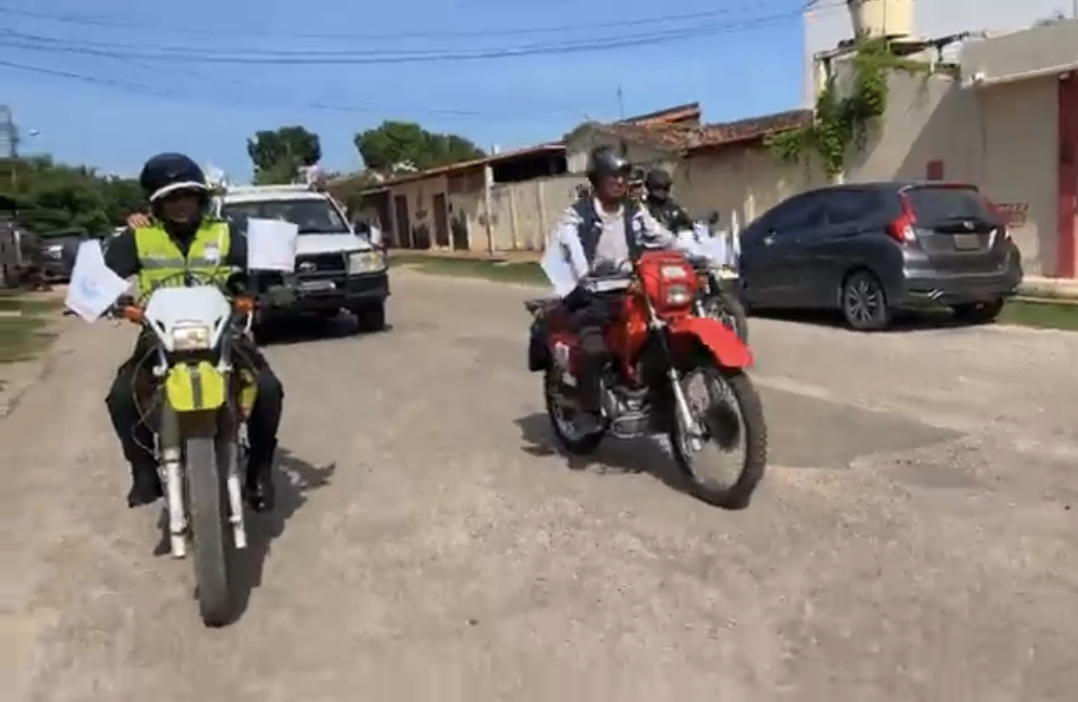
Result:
x=195 y=337
x=366 y=262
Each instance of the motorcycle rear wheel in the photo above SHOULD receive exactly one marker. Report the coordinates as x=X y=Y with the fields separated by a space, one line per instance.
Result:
x=211 y=533
x=737 y=495
x=575 y=442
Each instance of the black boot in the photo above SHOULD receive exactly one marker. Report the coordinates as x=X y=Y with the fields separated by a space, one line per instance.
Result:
x=261 y=492
x=145 y=485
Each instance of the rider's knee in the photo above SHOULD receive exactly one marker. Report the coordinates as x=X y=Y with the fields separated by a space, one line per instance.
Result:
x=121 y=396
x=270 y=389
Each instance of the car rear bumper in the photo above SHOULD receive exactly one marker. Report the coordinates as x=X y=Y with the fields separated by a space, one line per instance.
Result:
x=924 y=288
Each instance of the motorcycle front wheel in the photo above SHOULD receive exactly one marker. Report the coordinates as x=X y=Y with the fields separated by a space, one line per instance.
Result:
x=211 y=533
x=731 y=413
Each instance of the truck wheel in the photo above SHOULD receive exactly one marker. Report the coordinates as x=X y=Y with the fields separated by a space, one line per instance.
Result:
x=371 y=318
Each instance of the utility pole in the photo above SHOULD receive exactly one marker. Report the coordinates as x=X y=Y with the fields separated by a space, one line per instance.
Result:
x=621 y=102
x=9 y=137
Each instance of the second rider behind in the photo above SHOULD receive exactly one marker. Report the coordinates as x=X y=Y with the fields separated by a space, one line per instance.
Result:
x=662 y=206
x=611 y=228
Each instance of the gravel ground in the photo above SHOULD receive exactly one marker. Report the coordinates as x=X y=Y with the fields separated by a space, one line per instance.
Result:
x=913 y=539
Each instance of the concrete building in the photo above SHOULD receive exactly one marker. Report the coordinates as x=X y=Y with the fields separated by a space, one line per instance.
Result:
x=827 y=22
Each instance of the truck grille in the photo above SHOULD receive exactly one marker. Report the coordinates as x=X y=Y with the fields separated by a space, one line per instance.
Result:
x=320 y=263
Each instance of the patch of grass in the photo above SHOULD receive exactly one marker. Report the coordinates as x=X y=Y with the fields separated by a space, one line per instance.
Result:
x=23 y=326
x=1042 y=315
x=524 y=273
x=13 y=302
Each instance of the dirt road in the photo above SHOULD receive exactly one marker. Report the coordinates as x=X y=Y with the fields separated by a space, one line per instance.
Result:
x=914 y=540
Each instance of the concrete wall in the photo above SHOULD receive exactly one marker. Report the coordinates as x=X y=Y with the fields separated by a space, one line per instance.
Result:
x=826 y=24
x=419 y=194
x=741 y=182
x=523 y=213
x=582 y=143
x=1043 y=50
x=1003 y=138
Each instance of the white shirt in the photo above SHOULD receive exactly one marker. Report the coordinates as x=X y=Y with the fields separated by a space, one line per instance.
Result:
x=612 y=246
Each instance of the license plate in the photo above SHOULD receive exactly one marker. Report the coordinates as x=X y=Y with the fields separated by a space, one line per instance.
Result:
x=316 y=285
x=967 y=242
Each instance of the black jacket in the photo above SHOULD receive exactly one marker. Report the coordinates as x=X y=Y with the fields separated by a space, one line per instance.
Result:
x=671 y=215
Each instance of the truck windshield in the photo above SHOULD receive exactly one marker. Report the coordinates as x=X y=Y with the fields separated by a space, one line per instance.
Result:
x=311 y=216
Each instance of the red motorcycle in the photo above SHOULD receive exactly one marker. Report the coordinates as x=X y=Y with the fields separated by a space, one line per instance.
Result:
x=659 y=351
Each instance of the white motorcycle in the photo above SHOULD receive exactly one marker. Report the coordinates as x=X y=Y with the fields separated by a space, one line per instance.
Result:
x=197 y=399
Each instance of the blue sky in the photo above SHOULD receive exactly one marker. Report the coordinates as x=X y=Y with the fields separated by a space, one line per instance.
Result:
x=743 y=59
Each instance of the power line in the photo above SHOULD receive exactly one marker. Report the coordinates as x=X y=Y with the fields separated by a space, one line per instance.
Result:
x=362 y=108
x=150 y=62
x=313 y=58
x=117 y=23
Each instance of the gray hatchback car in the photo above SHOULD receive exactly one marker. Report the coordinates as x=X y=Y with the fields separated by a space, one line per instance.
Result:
x=871 y=249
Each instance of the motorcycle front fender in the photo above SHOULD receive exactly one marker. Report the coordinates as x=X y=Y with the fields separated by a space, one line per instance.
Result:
x=725 y=348
x=195 y=387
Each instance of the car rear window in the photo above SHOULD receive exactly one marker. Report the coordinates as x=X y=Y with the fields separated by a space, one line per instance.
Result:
x=941 y=204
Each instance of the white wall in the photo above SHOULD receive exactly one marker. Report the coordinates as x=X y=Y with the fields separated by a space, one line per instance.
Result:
x=829 y=24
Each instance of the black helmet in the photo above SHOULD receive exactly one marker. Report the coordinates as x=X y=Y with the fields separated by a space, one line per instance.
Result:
x=658 y=179
x=168 y=173
x=603 y=162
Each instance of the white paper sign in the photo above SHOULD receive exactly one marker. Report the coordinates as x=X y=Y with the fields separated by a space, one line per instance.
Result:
x=271 y=245
x=564 y=265
x=94 y=286
x=688 y=244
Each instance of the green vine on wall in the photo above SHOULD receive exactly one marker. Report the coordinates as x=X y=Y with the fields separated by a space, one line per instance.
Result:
x=842 y=122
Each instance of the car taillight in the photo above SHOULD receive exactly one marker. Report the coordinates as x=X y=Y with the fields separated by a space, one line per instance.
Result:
x=901 y=229
x=1000 y=214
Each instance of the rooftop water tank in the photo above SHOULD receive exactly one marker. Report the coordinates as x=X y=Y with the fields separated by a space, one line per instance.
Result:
x=881 y=18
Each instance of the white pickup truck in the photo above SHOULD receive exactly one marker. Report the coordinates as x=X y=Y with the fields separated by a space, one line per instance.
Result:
x=336 y=267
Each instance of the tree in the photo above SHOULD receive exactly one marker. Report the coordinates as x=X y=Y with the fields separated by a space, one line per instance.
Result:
x=398 y=146
x=51 y=196
x=279 y=153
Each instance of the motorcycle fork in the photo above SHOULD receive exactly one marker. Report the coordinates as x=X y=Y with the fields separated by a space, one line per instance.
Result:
x=172 y=468
x=683 y=416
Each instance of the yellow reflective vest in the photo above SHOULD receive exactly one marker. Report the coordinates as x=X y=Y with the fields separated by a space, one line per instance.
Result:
x=161 y=261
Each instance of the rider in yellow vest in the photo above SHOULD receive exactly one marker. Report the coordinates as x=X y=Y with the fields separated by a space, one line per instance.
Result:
x=181 y=236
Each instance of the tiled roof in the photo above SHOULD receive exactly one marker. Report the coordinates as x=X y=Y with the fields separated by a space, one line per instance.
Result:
x=675 y=137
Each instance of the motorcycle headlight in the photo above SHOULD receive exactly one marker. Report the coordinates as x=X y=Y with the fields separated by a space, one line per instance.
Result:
x=678 y=295
x=366 y=262
x=195 y=337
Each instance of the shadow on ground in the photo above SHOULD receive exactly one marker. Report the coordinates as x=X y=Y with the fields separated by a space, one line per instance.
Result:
x=803 y=432
x=294 y=479
x=905 y=322
x=641 y=455
x=307 y=329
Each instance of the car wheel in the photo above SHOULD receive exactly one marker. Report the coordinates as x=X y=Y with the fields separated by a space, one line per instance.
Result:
x=978 y=312
x=864 y=302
